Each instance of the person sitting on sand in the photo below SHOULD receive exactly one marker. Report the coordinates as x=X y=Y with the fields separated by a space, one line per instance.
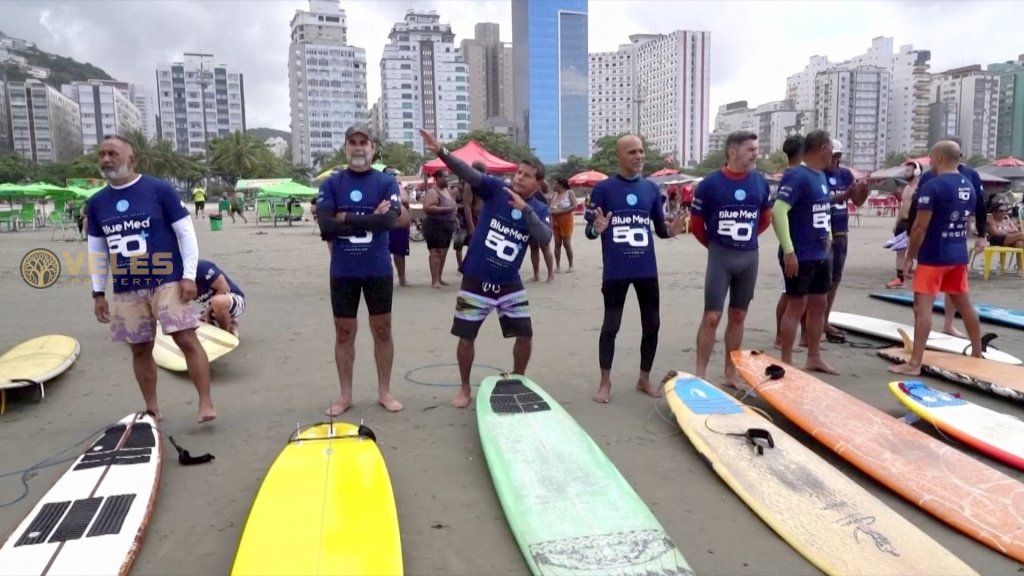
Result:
x=223 y=300
x=1003 y=231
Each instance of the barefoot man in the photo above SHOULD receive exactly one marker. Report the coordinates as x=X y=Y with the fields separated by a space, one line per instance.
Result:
x=793 y=148
x=356 y=208
x=802 y=221
x=938 y=239
x=623 y=209
x=509 y=219
x=731 y=208
x=138 y=224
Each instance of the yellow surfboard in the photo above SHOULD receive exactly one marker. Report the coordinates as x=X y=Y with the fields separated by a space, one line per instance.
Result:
x=34 y=362
x=215 y=341
x=325 y=507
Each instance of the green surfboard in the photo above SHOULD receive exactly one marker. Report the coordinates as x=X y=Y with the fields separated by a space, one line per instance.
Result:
x=569 y=508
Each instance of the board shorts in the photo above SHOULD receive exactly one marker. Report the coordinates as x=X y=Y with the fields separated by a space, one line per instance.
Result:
x=438 y=234
x=398 y=241
x=477 y=299
x=133 y=315
x=840 y=245
x=813 y=277
x=729 y=271
x=377 y=291
x=931 y=279
x=562 y=224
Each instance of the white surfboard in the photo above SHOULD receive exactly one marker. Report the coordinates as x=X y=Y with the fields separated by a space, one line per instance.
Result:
x=888 y=330
x=93 y=520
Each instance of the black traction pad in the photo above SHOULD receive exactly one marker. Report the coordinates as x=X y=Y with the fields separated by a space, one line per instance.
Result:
x=44 y=523
x=112 y=515
x=77 y=520
x=514 y=397
x=124 y=456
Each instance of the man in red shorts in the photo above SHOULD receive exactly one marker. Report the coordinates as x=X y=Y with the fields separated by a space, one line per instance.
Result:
x=938 y=240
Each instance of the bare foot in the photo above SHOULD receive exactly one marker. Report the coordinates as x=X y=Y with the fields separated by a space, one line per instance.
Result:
x=644 y=385
x=461 y=399
x=803 y=342
x=442 y=282
x=535 y=279
x=155 y=412
x=558 y=270
x=571 y=270
x=778 y=344
x=436 y=285
x=551 y=278
x=338 y=407
x=733 y=381
x=819 y=365
x=952 y=331
x=206 y=414
x=830 y=329
x=905 y=369
x=389 y=403
x=402 y=282
x=604 y=394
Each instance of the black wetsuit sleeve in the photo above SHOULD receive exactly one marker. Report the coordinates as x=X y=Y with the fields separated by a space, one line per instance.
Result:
x=539 y=230
x=464 y=171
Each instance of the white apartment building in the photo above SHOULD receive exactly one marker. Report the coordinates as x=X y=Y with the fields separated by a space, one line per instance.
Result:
x=971 y=96
x=199 y=100
x=327 y=82
x=424 y=82
x=490 y=76
x=800 y=86
x=104 y=109
x=6 y=147
x=668 y=100
x=45 y=124
x=730 y=118
x=144 y=101
x=612 y=94
x=852 y=105
x=773 y=121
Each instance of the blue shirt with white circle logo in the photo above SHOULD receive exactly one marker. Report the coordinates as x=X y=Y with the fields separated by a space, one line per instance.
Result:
x=731 y=208
x=810 y=214
x=365 y=254
x=627 y=245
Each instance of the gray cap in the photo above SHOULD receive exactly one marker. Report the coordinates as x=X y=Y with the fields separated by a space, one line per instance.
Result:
x=358 y=129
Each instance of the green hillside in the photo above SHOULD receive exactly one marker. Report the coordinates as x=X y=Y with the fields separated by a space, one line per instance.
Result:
x=63 y=70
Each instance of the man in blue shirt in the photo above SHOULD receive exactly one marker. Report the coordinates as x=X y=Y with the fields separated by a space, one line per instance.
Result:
x=731 y=208
x=140 y=226
x=356 y=208
x=224 y=301
x=980 y=219
x=842 y=189
x=511 y=216
x=802 y=221
x=623 y=208
x=938 y=239
x=793 y=148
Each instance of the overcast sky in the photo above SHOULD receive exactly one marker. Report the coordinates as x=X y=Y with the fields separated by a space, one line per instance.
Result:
x=754 y=45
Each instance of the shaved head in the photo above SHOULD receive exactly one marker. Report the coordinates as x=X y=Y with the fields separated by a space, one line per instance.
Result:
x=629 y=149
x=626 y=142
x=945 y=156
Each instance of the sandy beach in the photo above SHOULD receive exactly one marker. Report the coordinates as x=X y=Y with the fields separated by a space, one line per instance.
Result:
x=283 y=374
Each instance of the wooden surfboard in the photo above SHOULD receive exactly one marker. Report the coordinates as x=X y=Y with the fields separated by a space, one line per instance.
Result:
x=35 y=362
x=992 y=433
x=985 y=375
x=820 y=512
x=963 y=492
x=94 y=518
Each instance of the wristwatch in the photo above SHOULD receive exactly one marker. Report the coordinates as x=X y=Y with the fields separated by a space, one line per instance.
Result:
x=98 y=294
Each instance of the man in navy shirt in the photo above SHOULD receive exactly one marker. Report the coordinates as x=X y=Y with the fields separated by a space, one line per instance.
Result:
x=802 y=221
x=938 y=239
x=223 y=299
x=509 y=219
x=842 y=189
x=623 y=209
x=356 y=208
x=140 y=226
x=731 y=208
x=793 y=147
x=980 y=218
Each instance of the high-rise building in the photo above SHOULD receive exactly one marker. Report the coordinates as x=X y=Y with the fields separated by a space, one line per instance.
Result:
x=374 y=118
x=674 y=90
x=143 y=100
x=730 y=118
x=549 y=42
x=1010 y=128
x=852 y=103
x=772 y=123
x=800 y=86
x=199 y=100
x=974 y=93
x=613 y=107
x=104 y=108
x=489 y=68
x=424 y=82
x=6 y=146
x=45 y=124
x=327 y=82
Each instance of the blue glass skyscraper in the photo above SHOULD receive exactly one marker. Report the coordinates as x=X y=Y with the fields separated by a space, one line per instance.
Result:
x=549 y=44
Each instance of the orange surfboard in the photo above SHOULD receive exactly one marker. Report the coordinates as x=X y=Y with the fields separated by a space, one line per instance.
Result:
x=980 y=501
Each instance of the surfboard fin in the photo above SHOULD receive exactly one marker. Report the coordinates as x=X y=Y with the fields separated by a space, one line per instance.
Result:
x=986 y=339
x=186 y=459
x=365 y=432
x=908 y=342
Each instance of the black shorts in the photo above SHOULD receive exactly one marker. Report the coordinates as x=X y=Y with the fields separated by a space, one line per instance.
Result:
x=997 y=240
x=840 y=245
x=814 y=277
x=345 y=295
x=476 y=300
x=200 y=205
x=438 y=235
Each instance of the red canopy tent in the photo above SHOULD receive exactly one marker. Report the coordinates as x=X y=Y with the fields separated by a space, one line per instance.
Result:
x=666 y=172
x=1008 y=161
x=470 y=153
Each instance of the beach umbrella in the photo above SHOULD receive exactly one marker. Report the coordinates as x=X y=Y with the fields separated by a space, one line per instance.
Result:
x=1008 y=161
x=287 y=190
x=587 y=179
x=666 y=172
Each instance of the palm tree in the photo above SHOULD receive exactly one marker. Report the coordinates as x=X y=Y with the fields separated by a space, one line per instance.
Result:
x=143 y=149
x=235 y=155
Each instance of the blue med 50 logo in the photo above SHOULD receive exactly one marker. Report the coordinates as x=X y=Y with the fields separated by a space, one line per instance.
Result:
x=122 y=205
x=740 y=195
x=356 y=195
x=631 y=199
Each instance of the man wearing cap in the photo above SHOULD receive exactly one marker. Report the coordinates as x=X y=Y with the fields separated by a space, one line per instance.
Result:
x=356 y=207
x=980 y=218
x=841 y=189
